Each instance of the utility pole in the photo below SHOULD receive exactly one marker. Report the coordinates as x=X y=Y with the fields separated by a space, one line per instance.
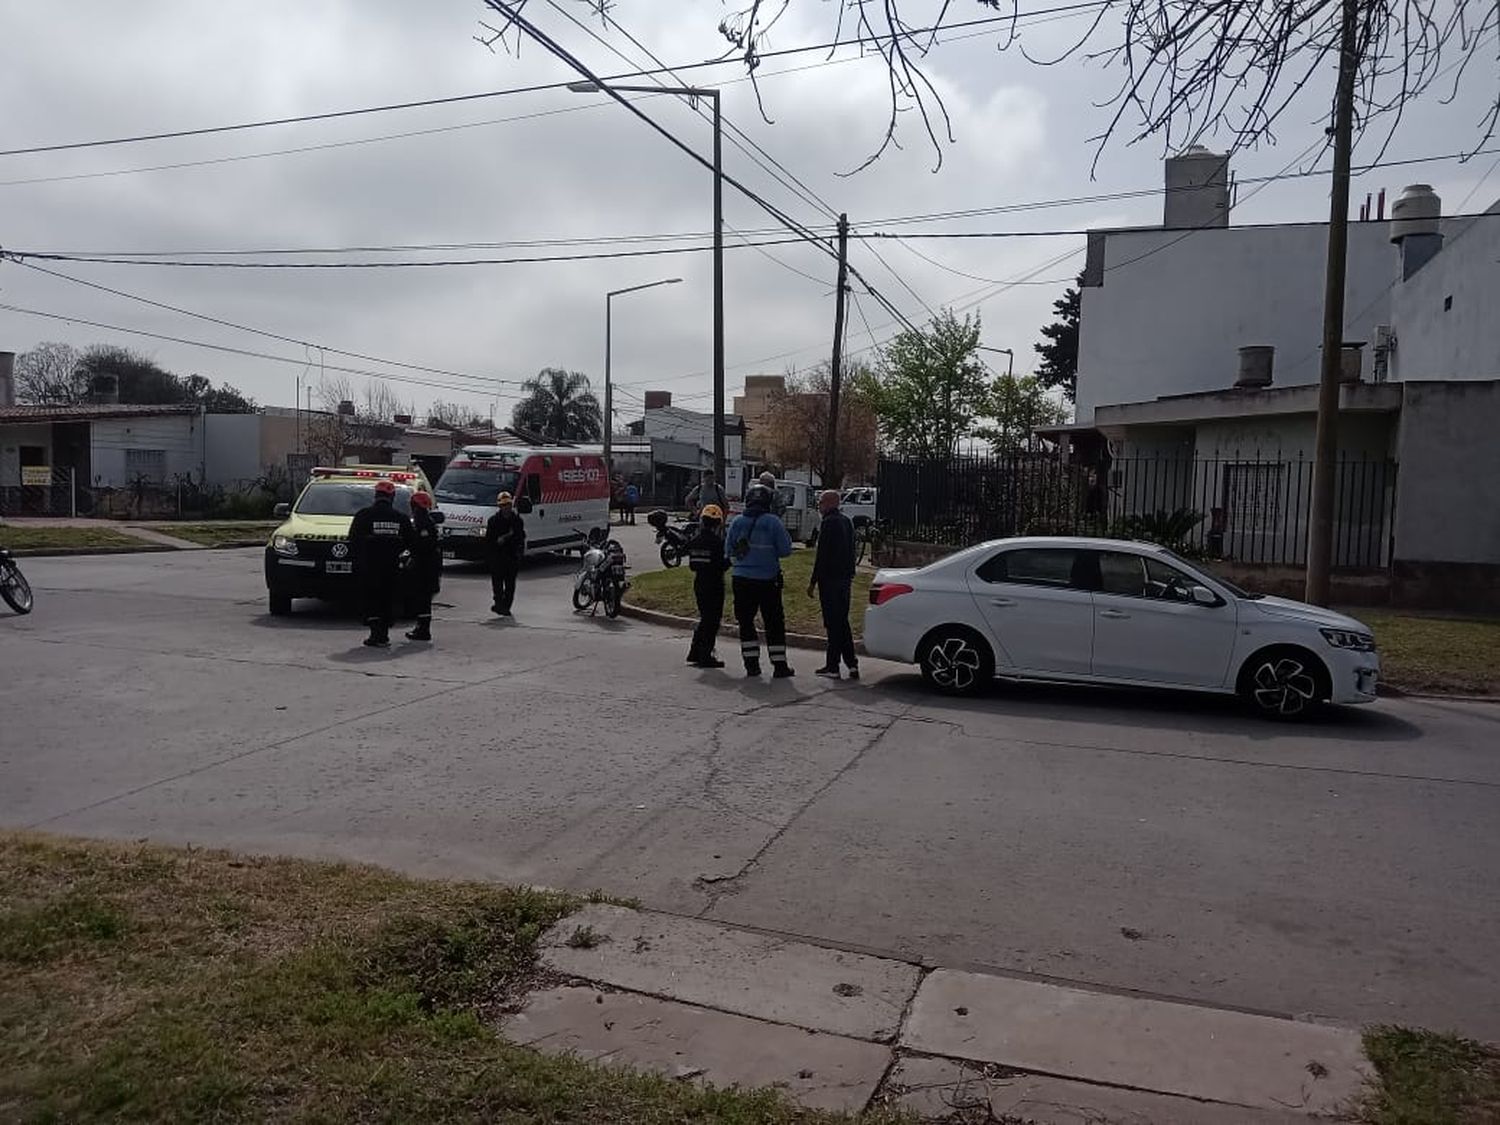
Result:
x=1325 y=455
x=720 y=468
x=836 y=367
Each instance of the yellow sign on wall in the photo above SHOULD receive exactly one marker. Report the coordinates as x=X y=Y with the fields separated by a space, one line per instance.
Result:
x=36 y=474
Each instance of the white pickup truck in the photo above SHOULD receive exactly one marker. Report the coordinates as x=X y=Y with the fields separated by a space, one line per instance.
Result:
x=858 y=504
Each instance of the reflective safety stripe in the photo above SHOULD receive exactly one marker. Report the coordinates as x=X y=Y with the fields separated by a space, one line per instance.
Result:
x=776 y=650
x=750 y=646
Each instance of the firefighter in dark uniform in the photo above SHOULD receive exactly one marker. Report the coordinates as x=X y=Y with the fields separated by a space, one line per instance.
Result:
x=379 y=534
x=427 y=561
x=505 y=539
x=756 y=543
x=707 y=562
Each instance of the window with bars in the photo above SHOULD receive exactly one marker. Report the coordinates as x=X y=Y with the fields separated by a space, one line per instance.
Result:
x=1252 y=497
x=150 y=464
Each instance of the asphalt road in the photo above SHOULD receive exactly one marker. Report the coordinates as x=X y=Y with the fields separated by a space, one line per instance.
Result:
x=1349 y=868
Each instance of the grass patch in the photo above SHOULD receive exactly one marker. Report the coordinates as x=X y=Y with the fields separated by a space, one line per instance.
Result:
x=671 y=591
x=1432 y=653
x=217 y=534
x=1427 y=1078
x=163 y=985
x=19 y=537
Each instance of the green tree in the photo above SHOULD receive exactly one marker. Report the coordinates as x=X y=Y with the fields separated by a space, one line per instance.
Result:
x=559 y=405
x=223 y=399
x=1015 y=406
x=1059 y=366
x=138 y=378
x=928 y=389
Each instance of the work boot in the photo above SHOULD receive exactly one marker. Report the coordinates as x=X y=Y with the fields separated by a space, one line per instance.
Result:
x=782 y=672
x=828 y=672
x=854 y=671
x=752 y=669
x=712 y=662
x=423 y=631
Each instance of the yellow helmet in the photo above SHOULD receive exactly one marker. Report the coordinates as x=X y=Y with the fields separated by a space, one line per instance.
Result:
x=712 y=512
x=503 y=500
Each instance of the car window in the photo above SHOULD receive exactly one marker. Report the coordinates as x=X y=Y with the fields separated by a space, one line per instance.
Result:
x=1168 y=583
x=1032 y=566
x=339 y=499
x=1121 y=573
x=475 y=486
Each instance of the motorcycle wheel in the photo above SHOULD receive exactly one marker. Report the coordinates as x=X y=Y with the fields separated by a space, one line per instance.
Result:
x=670 y=555
x=14 y=588
x=612 y=593
x=581 y=598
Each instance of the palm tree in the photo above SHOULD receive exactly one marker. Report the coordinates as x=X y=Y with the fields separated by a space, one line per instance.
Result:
x=559 y=405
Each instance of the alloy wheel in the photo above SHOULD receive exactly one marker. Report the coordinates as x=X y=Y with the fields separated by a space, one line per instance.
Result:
x=1284 y=686
x=953 y=664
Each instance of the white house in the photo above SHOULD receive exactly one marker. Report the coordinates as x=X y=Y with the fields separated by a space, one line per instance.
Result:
x=1199 y=358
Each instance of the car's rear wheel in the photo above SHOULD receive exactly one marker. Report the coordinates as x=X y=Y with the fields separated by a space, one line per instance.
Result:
x=279 y=602
x=1284 y=682
x=956 y=661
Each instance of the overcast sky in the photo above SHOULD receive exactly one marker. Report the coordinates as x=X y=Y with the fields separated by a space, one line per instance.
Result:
x=584 y=168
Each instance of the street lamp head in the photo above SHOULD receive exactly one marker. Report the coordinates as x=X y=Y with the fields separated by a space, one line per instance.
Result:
x=585 y=87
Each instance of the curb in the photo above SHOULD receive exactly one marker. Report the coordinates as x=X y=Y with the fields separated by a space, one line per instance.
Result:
x=65 y=552
x=1396 y=692
x=688 y=624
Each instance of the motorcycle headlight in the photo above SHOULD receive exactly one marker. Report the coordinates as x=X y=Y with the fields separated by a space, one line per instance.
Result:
x=1348 y=638
x=283 y=544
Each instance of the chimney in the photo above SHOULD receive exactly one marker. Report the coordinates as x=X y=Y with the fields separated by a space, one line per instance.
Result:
x=1416 y=227
x=105 y=389
x=656 y=400
x=1197 y=190
x=1255 y=366
x=7 y=378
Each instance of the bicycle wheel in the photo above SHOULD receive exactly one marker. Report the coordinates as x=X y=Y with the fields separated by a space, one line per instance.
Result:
x=14 y=588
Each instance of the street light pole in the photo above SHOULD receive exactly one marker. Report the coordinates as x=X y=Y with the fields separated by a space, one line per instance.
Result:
x=609 y=390
x=589 y=87
x=1010 y=367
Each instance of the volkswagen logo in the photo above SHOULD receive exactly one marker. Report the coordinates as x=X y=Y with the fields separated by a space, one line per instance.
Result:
x=340 y=550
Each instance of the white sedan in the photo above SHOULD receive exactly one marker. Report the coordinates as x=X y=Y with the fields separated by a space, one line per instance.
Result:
x=1107 y=611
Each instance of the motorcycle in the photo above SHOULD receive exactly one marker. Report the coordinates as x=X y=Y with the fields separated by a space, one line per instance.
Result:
x=601 y=577
x=674 y=540
x=13 y=585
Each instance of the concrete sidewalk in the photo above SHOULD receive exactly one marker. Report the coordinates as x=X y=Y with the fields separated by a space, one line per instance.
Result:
x=840 y=1030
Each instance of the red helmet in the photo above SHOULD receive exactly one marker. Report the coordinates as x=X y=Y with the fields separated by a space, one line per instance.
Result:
x=421 y=499
x=384 y=488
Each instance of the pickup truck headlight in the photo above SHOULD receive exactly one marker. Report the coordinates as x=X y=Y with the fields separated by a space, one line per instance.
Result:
x=1348 y=638
x=283 y=544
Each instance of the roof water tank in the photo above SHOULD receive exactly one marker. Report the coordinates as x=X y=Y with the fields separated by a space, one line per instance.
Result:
x=1418 y=211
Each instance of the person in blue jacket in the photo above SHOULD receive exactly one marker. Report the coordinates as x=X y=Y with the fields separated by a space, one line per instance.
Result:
x=756 y=543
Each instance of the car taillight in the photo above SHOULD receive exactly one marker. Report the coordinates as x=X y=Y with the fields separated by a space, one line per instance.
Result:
x=882 y=592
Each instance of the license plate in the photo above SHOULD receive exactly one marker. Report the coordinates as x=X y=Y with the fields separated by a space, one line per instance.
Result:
x=339 y=567
x=450 y=554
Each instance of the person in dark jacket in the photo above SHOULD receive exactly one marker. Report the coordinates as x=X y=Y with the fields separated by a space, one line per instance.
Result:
x=756 y=543
x=505 y=540
x=379 y=534
x=427 y=560
x=833 y=582
x=707 y=562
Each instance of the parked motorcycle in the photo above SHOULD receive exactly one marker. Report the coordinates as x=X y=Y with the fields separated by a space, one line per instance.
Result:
x=674 y=540
x=13 y=585
x=601 y=577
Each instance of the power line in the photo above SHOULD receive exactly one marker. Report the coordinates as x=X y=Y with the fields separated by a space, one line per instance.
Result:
x=455 y=99
x=242 y=351
x=490 y=382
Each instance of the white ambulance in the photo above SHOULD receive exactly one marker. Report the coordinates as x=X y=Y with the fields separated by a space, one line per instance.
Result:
x=559 y=491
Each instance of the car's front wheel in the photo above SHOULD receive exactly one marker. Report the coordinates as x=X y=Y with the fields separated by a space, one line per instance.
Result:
x=956 y=661
x=1284 y=682
x=279 y=602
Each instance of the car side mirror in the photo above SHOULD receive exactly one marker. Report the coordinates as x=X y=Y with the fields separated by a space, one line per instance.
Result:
x=281 y=511
x=1202 y=595
x=523 y=505
x=438 y=517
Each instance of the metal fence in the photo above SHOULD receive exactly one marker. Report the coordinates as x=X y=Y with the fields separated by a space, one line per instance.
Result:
x=1249 y=509
x=61 y=492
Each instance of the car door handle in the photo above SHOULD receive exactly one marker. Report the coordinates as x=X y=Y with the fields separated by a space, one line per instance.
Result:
x=1001 y=602
x=1113 y=614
